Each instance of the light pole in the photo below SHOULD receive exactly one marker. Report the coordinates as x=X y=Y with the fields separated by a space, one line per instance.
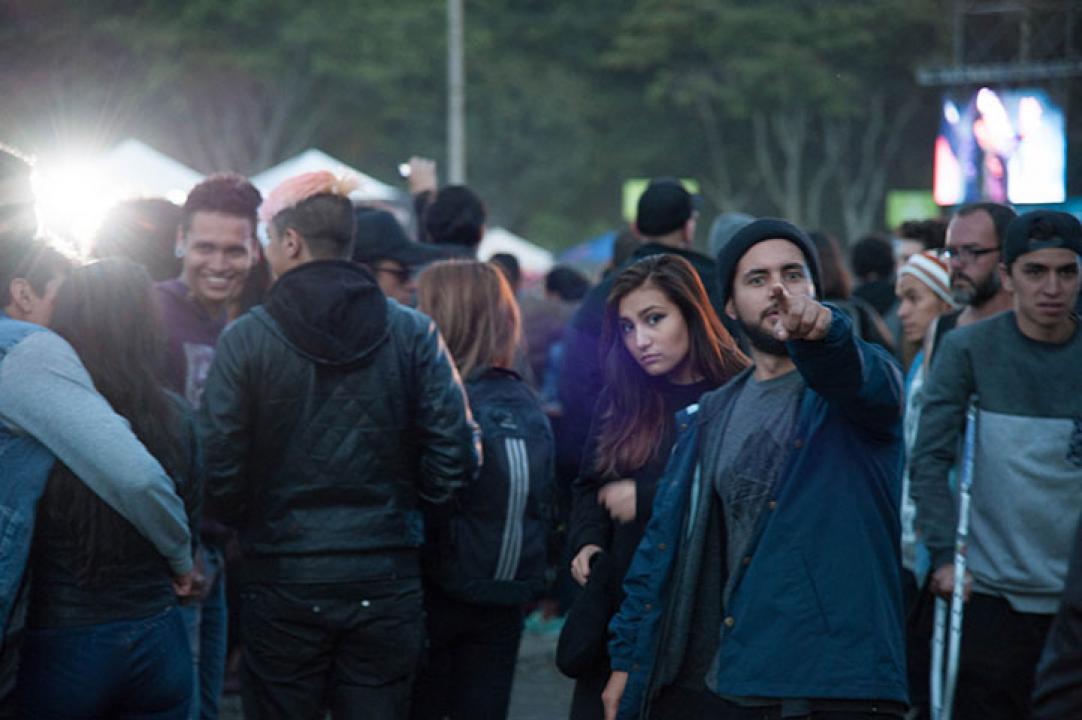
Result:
x=456 y=95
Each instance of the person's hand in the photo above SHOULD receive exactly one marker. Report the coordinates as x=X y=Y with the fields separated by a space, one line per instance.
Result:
x=618 y=498
x=422 y=175
x=182 y=584
x=580 y=566
x=614 y=690
x=800 y=317
x=942 y=583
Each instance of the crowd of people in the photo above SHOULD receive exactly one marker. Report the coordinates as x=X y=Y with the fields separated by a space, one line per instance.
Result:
x=324 y=443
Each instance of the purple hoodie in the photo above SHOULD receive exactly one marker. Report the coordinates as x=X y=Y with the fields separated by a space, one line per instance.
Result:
x=191 y=334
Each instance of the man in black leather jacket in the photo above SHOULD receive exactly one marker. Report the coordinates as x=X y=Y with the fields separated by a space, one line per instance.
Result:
x=332 y=417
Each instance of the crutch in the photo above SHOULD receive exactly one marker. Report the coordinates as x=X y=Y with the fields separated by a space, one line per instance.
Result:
x=942 y=682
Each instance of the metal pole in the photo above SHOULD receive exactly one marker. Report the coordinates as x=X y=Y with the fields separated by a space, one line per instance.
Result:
x=456 y=95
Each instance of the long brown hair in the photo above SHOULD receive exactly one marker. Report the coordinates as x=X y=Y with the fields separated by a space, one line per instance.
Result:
x=634 y=413
x=475 y=310
x=107 y=312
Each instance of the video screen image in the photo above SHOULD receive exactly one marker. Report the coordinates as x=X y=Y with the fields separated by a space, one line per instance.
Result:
x=1000 y=145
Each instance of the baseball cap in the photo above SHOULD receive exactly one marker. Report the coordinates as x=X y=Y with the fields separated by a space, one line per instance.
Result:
x=379 y=236
x=664 y=206
x=1039 y=230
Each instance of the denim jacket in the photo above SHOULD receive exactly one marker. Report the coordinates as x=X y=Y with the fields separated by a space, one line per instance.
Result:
x=24 y=470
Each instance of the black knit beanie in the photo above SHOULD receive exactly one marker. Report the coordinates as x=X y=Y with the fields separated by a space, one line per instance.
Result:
x=755 y=233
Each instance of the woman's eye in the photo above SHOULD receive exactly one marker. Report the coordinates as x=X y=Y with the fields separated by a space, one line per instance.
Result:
x=626 y=327
x=655 y=319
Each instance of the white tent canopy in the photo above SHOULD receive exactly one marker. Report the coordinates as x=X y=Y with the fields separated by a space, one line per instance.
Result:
x=533 y=259
x=312 y=160
x=135 y=169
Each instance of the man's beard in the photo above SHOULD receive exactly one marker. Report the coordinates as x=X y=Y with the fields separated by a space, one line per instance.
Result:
x=977 y=295
x=762 y=340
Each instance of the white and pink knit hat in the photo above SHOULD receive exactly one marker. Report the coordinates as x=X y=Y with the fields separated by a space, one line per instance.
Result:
x=932 y=270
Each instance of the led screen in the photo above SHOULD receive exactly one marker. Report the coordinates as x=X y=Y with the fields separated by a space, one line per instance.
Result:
x=1000 y=145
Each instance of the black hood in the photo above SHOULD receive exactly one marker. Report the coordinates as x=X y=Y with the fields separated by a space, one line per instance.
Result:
x=331 y=311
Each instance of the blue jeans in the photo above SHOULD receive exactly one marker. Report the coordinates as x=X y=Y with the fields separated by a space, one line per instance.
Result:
x=129 y=670
x=207 y=634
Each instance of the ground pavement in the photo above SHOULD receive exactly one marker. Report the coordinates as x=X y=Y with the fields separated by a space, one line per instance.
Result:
x=540 y=691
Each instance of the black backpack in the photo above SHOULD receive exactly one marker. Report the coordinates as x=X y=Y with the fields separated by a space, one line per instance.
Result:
x=494 y=548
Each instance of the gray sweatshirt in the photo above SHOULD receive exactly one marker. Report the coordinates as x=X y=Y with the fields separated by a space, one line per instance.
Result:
x=46 y=393
x=1027 y=481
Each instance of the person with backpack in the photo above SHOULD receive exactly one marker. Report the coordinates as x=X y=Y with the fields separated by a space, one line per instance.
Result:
x=663 y=346
x=487 y=559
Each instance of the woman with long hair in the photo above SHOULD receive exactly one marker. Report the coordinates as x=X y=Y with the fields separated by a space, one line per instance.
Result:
x=490 y=557
x=105 y=637
x=663 y=346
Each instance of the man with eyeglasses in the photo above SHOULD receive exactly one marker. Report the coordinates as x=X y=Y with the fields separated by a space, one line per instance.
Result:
x=216 y=243
x=1023 y=367
x=974 y=245
x=381 y=245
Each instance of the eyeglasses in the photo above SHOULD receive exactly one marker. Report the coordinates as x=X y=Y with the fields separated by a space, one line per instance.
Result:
x=967 y=253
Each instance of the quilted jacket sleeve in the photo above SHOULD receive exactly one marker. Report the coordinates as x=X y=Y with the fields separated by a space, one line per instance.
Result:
x=450 y=439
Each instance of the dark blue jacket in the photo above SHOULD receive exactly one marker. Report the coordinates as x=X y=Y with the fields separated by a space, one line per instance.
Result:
x=816 y=609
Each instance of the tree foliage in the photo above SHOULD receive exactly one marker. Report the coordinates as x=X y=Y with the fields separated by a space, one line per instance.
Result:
x=793 y=107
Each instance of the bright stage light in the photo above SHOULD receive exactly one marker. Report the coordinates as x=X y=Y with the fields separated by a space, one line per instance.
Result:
x=73 y=195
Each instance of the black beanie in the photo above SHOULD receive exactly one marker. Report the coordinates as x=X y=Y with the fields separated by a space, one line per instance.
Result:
x=755 y=233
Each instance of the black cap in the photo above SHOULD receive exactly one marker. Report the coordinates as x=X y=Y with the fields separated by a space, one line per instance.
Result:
x=1041 y=229
x=664 y=206
x=381 y=237
x=759 y=231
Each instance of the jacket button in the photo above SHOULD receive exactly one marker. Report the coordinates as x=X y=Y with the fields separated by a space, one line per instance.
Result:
x=747 y=560
x=773 y=504
x=798 y=444
x=648 y=607
x=729 y=621
x=662 y=546
x=635 y=666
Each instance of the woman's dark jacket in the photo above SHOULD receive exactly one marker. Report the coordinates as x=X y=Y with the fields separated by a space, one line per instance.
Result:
x=330 y=415
x=126 y=578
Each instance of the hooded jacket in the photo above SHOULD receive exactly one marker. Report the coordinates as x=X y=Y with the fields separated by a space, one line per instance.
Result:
x=330 y=416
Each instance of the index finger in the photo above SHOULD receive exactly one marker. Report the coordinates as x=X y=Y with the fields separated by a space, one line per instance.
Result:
x=780 y=295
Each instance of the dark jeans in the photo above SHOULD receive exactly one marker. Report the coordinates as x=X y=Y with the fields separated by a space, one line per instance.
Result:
x=351 y=648
x=131 y=669
x=470 y=662
x=715 y=708
x=207 y=634
x=1000 y=649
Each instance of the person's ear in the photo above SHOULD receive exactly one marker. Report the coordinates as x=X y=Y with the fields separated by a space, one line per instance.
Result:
x=179 y=244
x=730 y=309
x=1005 y=278
x=22 y=294
x=293 y=244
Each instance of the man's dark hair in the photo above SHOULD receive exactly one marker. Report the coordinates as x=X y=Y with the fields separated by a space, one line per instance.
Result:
x=508 y=265
x=143 y=230
x=872 y=255
x=18 y=219
x=455 y=217
x=1001 y=216
x=33 y=260
x=326 y=223
x=226 y=193
x=931 y=233
x=567 y=282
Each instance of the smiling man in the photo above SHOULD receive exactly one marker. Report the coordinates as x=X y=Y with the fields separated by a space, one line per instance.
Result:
x=1023 y=366
x=216 y=240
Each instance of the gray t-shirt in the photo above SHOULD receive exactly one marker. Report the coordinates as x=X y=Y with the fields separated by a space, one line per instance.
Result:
x=753 y=454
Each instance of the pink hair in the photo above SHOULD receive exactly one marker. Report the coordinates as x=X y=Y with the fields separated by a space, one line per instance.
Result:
x=296 y=190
